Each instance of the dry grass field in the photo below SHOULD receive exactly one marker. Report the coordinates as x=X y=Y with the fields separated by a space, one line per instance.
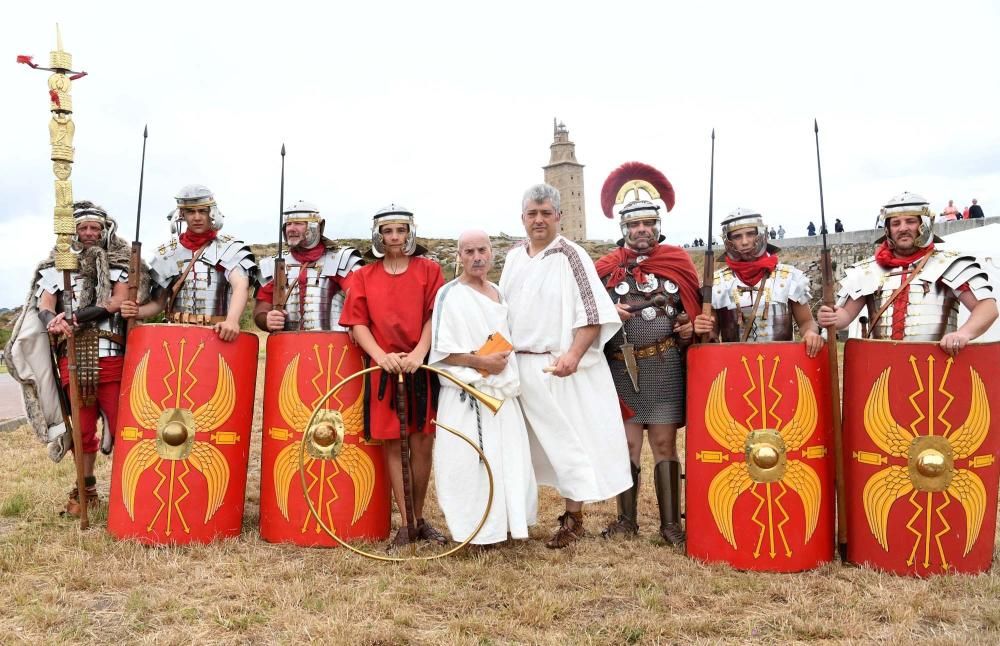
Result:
x=58 y=585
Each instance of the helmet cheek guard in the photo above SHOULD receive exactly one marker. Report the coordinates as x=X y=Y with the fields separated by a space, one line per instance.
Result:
x=393 y=214
x=907 y=204
x=738 y=220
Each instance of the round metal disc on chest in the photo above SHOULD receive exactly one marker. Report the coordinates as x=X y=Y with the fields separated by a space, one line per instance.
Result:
x=649 y=313
x=622 y=288
x=670 y=287
x=651 y=283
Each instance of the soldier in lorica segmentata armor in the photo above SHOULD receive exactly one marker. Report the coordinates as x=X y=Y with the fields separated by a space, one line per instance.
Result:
x=99 y=286
x=655 y=288
x=755 y=298
x=200 y=277
x=315 y=269
x=910 y=288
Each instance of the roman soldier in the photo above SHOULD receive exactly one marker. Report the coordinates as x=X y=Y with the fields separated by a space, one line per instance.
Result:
x=911 y=289
x=100 y=284
x=201 y=278
x=755 y=297
x=316 y=268
x=919 y=440
x=655 y=289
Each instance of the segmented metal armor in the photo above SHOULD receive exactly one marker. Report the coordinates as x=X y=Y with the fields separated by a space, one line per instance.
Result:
x=772 y=319
x=96 y=340
x=204 y=297
x=929 y=307
x=319 y=307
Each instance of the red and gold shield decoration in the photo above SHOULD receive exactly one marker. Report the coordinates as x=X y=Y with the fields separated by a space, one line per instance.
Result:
x=759 y=457
x=920 y=453
x=183 y=438
x=348 y=486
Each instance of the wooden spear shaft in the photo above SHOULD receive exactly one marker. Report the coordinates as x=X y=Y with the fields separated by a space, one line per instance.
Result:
x=831 y=352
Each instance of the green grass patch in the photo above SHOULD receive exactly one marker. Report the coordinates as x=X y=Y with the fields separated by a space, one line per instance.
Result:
x=15 y=506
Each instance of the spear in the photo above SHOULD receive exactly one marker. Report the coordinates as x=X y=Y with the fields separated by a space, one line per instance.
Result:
x=280 y=279
x=61 y=132
x=708 y=278
x=135 y=259
x=831 y=353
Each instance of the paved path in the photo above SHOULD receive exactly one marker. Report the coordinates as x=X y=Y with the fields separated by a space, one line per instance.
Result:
x=11 y=404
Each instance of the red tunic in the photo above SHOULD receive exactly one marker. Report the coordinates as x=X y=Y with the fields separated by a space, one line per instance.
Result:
x=395 y=309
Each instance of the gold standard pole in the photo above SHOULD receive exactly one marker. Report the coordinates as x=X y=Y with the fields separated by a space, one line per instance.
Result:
x=61 y=131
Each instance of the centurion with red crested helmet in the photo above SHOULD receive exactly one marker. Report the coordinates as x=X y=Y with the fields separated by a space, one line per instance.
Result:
x=655 y=288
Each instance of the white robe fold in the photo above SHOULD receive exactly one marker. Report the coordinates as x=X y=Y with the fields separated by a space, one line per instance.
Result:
x=574 y=423
x=462 y=320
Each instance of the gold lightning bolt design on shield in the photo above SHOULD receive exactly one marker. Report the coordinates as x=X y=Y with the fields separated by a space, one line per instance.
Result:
x=765 y=441
x=931 y=480
x=166 y=455
x=352 y=459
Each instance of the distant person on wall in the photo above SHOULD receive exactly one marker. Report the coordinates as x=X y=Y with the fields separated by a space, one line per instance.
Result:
x=781 y=232
x=838 y=226
x=811 y=229
x=965 y=214
x=950 y=213
x=975 y=211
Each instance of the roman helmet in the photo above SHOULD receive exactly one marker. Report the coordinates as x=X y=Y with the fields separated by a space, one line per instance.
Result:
x=302 y=211
x=190 y=196
x=648 y=188
x=393 y=214
x=744 y=218
x=85 y=211
x=907 y=203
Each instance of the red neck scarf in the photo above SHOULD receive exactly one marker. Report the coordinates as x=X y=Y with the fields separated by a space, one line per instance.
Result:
x=886 y=259
x=752 y=271
x=666 y=261
x=308 y=255
x=195 y=241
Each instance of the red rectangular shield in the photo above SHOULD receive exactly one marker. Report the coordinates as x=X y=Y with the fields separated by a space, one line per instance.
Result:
x=759 y=456
x=183 y=439
x=920 y=453
x=351 y=491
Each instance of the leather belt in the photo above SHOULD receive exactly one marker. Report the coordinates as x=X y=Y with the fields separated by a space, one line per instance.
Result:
x=651 y=350
x=195 y=319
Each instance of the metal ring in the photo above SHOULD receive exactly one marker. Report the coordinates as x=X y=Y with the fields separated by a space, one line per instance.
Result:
x=307 y=434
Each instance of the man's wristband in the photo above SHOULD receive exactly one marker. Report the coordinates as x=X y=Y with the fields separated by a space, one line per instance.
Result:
x=46 y=316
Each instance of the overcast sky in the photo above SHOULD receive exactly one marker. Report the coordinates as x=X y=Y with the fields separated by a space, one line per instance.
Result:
x=447 y=108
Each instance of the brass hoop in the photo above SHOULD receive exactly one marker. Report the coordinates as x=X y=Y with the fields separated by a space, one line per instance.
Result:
x=307 y=436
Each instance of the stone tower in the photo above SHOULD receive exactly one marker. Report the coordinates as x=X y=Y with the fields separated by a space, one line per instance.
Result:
x=566 y=174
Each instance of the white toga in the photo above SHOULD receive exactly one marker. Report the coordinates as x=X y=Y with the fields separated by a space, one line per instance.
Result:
x=574 y=423
x=463 y=318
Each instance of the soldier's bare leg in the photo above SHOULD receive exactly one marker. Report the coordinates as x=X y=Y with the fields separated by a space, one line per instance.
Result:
x=394 y=465
x=662 y=440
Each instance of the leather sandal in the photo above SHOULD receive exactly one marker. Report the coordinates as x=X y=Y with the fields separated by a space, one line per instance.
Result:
x=570 y=530
x=427 y=532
